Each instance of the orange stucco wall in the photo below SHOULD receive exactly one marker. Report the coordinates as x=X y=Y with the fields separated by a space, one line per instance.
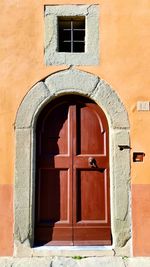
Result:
x=124 y=63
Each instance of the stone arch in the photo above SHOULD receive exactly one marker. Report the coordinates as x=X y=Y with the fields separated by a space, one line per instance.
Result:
x=71 y=82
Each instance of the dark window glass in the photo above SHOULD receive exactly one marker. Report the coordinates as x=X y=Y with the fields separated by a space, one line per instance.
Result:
x=78 y=47
x=71 y=34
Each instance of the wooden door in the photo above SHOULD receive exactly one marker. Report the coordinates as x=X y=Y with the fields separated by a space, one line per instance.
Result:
x=72 y=200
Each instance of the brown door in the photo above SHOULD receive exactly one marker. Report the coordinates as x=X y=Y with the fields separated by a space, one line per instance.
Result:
x=72 y=203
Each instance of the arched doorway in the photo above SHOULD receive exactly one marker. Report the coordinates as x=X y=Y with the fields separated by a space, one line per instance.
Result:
x=75 y=82
x=72 y=205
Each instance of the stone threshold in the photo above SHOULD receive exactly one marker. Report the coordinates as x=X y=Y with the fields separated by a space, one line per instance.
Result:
x=75 y=248
x=72 y=251
x=22 y=250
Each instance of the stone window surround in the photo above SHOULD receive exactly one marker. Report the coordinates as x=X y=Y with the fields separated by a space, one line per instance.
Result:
x=71 y=81
x=91 y=54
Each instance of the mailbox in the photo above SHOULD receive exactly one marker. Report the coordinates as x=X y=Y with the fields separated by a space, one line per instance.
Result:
x=138 y=156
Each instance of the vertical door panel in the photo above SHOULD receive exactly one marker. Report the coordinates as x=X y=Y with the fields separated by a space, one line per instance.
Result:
x=53 y=220
x=91 y=224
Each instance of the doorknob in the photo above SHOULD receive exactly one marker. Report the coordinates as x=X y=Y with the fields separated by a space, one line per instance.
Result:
x=92 y=162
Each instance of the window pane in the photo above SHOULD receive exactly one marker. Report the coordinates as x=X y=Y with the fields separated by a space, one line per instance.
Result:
x=65 y=35
x=78 y=47
x=64 y=24
x=79 y=24
x=78 y=35
x=64 y=47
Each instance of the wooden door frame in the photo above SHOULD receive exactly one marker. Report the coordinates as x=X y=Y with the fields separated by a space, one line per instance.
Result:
x=71 y=82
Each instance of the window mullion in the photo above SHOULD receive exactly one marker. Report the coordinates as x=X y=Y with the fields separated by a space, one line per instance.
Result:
x=72 y=36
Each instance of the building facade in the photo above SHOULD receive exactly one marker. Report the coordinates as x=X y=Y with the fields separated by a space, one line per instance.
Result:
x=93 y=56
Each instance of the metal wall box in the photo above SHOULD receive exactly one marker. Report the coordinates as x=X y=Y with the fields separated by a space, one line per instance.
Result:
x=138 y=156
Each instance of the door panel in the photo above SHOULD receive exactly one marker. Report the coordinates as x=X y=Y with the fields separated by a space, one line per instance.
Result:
x=90 y=137
x=91 y=222
x=87 y=237
x=54 y=131
x=53 y=217
x=53 y=188
x=90 y=207
x=72 y=178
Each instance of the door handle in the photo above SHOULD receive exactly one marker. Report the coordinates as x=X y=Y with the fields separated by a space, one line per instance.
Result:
x=92 y=162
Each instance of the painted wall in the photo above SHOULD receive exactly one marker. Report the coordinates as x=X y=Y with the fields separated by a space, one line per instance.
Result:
x=124 y=64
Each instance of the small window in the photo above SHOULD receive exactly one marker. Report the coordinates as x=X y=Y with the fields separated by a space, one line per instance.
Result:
x=71 y=34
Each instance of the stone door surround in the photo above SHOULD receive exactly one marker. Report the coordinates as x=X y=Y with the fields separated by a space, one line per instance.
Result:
x=71 y=81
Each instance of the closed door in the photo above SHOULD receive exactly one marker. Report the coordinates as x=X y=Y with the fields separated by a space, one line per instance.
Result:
x=72 y=198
